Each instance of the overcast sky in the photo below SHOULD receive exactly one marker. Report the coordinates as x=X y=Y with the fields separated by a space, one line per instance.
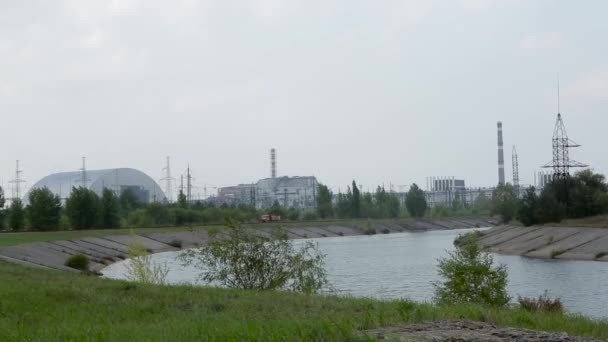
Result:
x=377 y=91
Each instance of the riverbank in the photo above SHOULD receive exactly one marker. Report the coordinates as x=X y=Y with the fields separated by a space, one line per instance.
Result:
x=572 y=243
x=103 y=248
x=41 y=304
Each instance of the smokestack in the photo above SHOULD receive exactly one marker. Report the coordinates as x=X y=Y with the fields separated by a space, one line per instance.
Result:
x=501 y=157
x=273 y=163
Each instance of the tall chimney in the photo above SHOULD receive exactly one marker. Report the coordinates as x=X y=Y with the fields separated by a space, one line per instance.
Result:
x=501 y=157
x=273 y=163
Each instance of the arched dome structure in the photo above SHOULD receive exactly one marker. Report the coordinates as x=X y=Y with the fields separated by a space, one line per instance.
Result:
x=117 y=180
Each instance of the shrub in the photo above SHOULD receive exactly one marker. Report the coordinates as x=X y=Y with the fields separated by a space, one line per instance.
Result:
x=469 y=276
x=556 y=252
x=78 y=261
x=369 y=231
x=141 y=268
x=385 y=231
x=176 y=243
x=249 y=261
x=601 y=255
x=541 y=304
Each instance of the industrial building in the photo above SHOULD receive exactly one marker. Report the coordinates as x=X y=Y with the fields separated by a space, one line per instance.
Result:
x=290 y=192
x=117 y=180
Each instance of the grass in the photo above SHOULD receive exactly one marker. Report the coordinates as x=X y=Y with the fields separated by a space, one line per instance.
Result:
x=47 y=305
x=16 y=238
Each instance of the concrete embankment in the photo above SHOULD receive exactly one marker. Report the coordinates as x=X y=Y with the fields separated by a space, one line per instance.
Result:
x=106 y=250
x=580 y=243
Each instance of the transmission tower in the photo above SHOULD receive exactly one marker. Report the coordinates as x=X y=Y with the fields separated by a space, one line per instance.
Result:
x=168 y=181
x=515 y=162
x=17 y=182
x=561 y=162
x=83 y=171
x=188 y=186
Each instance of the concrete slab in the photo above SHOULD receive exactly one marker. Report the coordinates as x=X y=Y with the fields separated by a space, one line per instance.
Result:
x=507 y=235
x=188 y=239
x=590 y=250
x=585 y=235
x=151 y=245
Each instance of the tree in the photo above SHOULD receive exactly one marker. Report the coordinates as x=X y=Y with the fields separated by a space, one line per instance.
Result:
x=344 y=204
x=356 y=202
x=44 y=209
x=504 y=202
x=247 y=260
x=549 y=208
x=109 y=212
x=2 y=210
x=82 y=208
x=468 y=276
x=182 y=201
x=2 y=198
x=415 y=202
x=16 y=217
x=325 y=207
x=277 y=210
x=128 y=201
x=527 y=210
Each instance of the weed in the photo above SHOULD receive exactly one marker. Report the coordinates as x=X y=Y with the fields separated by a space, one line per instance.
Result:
x=78 y=261
x=541 y=304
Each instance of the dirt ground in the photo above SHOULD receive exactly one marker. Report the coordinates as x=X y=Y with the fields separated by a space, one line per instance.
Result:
x=465 y=331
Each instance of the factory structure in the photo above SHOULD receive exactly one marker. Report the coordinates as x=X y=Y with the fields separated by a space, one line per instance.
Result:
x=290 y=192
x=444 y=191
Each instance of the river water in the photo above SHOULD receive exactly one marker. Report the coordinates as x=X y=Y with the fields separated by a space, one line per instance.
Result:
x=403 y=265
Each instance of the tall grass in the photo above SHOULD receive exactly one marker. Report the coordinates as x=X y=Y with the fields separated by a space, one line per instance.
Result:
x=46 y=305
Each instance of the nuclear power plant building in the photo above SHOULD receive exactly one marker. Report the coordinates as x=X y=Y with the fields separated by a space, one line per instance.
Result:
x=117 y=180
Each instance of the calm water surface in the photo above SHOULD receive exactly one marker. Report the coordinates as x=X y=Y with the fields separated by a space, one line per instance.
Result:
x=403 y=265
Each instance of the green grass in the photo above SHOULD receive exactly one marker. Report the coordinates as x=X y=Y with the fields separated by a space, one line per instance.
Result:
x=47 y=305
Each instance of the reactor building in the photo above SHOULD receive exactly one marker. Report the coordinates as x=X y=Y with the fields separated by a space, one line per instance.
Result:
x=118 y=180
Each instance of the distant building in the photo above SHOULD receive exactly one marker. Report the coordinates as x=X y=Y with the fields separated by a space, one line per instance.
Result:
x=117 y=180
x=444 y=191
x=238 y=194
x=290 y=192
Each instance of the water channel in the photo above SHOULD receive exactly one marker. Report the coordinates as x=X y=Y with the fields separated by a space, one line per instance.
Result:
x=403 y=265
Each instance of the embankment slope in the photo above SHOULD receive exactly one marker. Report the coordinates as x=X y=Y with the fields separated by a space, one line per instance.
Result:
x=576 y=243
x=105 y=250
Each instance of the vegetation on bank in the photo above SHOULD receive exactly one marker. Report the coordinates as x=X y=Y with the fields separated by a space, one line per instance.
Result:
x=38 y=304
x=583 y=195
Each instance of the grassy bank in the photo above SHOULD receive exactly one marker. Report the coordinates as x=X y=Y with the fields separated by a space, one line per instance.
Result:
x=45 y=305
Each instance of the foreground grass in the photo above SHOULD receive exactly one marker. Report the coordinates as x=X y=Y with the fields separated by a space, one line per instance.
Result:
x=45 y=305
x=16 y=238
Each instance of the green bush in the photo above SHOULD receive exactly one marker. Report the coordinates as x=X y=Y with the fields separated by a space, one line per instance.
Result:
x=249 y=261
x=468 y=276
x=78 y=261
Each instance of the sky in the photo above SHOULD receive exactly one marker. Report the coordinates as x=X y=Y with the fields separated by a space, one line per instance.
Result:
x=382 y=92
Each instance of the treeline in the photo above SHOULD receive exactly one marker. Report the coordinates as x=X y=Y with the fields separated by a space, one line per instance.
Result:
x=380 y=204
x=582 y=195
x=84 y=209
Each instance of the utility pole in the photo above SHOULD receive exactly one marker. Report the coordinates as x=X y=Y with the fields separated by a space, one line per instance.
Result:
x=17 y=182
